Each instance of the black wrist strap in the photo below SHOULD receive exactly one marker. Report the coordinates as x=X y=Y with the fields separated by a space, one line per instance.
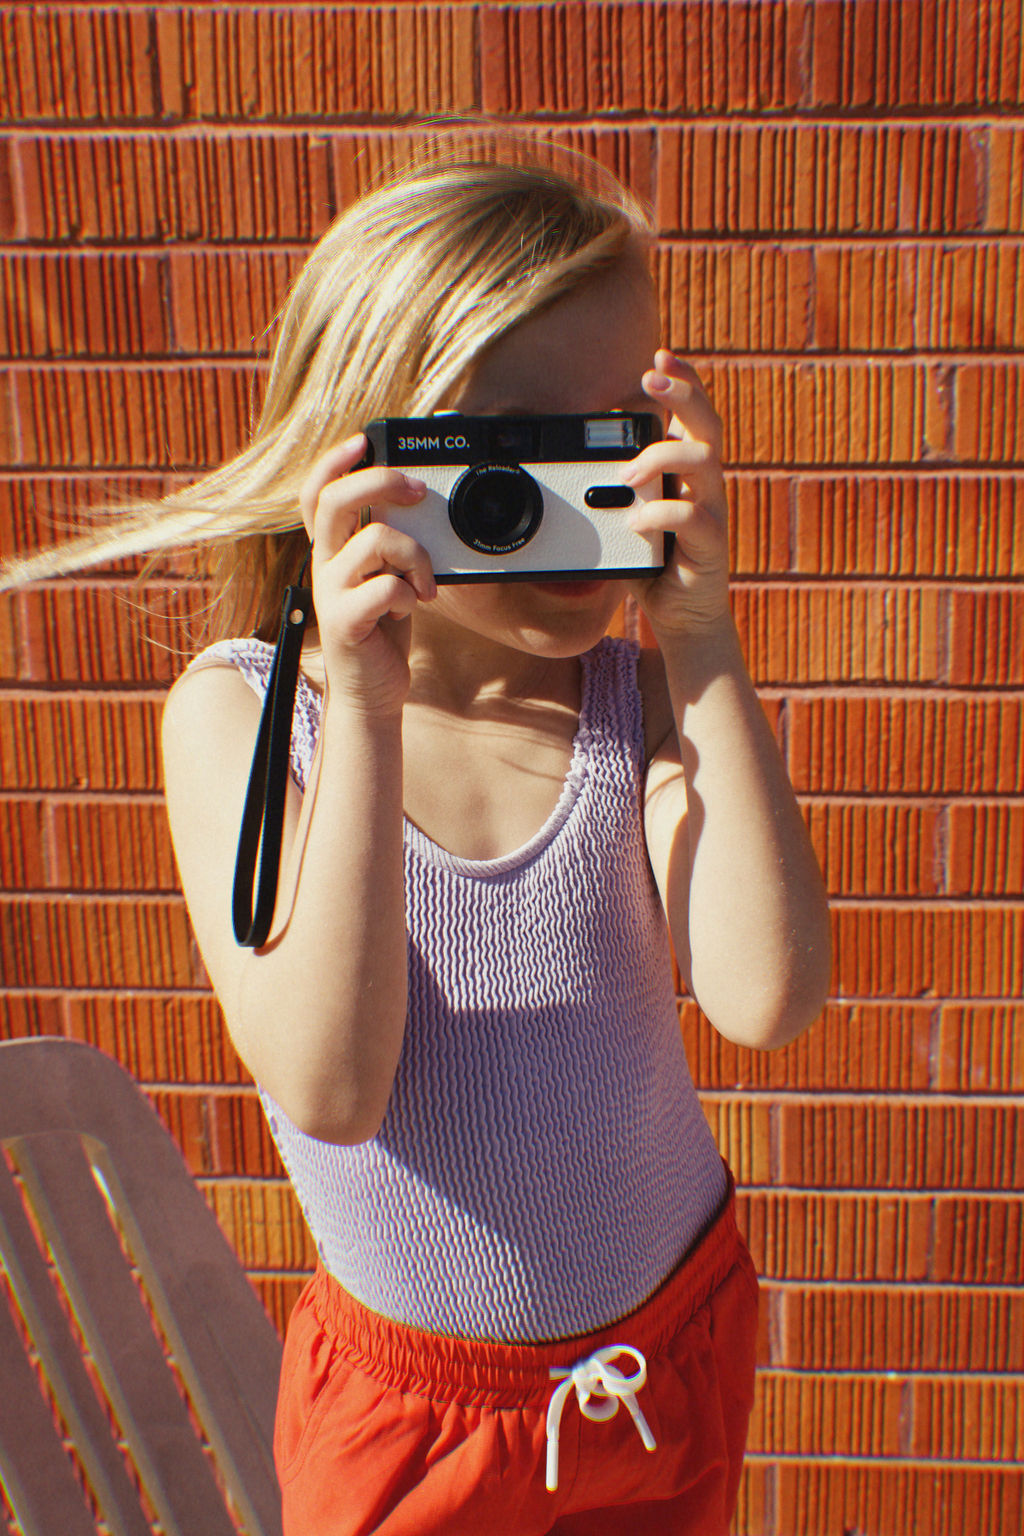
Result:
x=263 y=817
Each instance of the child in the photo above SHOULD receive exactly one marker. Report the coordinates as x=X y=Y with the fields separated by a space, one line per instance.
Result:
x=463 y=1023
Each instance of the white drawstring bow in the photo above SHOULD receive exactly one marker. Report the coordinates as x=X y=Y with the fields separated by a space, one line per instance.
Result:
x=600 y=1388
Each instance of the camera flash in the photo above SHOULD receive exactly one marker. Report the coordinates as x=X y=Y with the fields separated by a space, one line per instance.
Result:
x=609 y=432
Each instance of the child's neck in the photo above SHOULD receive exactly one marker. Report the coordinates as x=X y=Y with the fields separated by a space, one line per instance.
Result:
x=470 y=679
x=488 y=740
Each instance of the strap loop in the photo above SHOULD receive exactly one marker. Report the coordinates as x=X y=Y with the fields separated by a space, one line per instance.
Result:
x=263 y=817
x=600 y=1388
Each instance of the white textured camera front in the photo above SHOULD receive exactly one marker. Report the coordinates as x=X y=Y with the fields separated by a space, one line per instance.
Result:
x=489 y=516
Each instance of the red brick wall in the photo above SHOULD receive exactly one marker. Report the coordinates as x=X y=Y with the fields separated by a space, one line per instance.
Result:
x=839 y=189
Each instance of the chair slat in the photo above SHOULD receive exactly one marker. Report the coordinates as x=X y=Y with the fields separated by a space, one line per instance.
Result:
x=221 y=1341
x=40 y=1485
x=120 y=1336
x=87 y=1422
x=214 y=1323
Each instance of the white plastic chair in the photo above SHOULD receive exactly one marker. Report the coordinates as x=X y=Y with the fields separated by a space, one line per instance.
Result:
x=103 y=1231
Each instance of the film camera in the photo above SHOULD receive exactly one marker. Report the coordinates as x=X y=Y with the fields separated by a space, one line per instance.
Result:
x=522 y=497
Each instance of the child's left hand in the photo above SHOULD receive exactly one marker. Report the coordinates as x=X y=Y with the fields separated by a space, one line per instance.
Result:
x=691 y=595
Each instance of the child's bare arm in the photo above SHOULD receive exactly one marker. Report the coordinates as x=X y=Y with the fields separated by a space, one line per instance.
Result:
x=731 y=855
x=728 y=845
x=318 y=1015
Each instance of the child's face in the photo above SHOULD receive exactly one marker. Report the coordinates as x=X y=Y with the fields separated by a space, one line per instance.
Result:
x=587 y=353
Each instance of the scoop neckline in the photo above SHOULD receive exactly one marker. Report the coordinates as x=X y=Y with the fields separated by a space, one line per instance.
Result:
x=572 y=785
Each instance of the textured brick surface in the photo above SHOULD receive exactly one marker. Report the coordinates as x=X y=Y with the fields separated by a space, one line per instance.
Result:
x=837 y=194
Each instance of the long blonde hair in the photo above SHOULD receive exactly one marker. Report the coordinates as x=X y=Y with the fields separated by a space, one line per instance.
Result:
x=405 y=291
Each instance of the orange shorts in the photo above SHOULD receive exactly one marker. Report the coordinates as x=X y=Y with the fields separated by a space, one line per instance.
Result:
x=386 y=1429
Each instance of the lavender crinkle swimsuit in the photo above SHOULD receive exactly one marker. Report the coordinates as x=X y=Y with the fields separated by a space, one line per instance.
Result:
x=544 y=1162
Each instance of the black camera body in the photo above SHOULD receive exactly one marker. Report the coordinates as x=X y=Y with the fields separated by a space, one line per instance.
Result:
x=523 y=498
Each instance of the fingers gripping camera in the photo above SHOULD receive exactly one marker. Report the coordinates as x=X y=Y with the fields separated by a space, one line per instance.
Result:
x=522 y=497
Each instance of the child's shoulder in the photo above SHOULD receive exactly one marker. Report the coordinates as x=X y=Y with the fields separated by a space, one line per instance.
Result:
x=249 y=657
x=222 y=686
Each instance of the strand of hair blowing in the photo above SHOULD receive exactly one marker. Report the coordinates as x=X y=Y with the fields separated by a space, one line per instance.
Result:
x=406 y=289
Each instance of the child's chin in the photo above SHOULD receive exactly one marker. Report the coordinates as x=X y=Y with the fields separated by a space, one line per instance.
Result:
x=578 y=590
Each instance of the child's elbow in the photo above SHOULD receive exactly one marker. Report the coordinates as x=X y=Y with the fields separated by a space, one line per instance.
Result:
x=777 y=1009
x=780 y=1026
x=343 y=1108
x=335 y=1120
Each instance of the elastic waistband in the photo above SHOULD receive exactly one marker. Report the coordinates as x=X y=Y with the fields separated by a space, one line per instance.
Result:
x=498 y=1375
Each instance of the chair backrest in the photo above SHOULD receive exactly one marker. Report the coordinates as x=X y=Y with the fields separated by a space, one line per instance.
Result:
x=126 y=1299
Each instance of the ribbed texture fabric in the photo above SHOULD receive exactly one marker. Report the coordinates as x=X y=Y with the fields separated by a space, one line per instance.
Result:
x=544 y=1162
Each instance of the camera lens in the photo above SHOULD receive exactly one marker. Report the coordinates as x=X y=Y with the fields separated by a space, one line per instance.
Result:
x=496 y=508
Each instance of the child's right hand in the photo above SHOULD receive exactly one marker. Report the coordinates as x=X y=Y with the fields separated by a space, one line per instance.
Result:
x=366 y=580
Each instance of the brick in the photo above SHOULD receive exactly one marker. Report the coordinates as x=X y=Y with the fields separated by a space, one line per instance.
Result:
x=247 y=63
x=734 y=178
x=9 y=213
x=739 y=297
x=240 y=1140
x=88 y=64
x=220 y=1134
x=593 y=59
x=918 y=297
x=22 y=864
x=980 y=1048
x=814 y=1497
x=279 y=1295
x=805 y=634
x=1003 y=146
x=814 y=1235
x=861 y=299
x=932 y=54
x=895 y=1328
x=160 y=1039
x=97 y=942
x=173 y=64
x=10 y=655
x=742 y=1130
x=965 y=1420
x=830 y=412
x=102 y=634
x=755 y=1500
x=88 y=742
x=921 y=525
x=23 y=1015
x=967 y=296
x=358 y=160
x=41 y=510
x=877 y=849
x=130 y=417
x=886 y=744
x=978 y=1240
x=82 y=305
x=901 y=1146
x=255 y=185
x=263 y=1223
x=224 y=301
x=855 y=1415
x=110 y=846
x=760 y=519
x=989 y=405
x=986 y=637
x=865 y=1046
x=244 y=186
x=942 y=951
x=986 y=849
x=186 y=1117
